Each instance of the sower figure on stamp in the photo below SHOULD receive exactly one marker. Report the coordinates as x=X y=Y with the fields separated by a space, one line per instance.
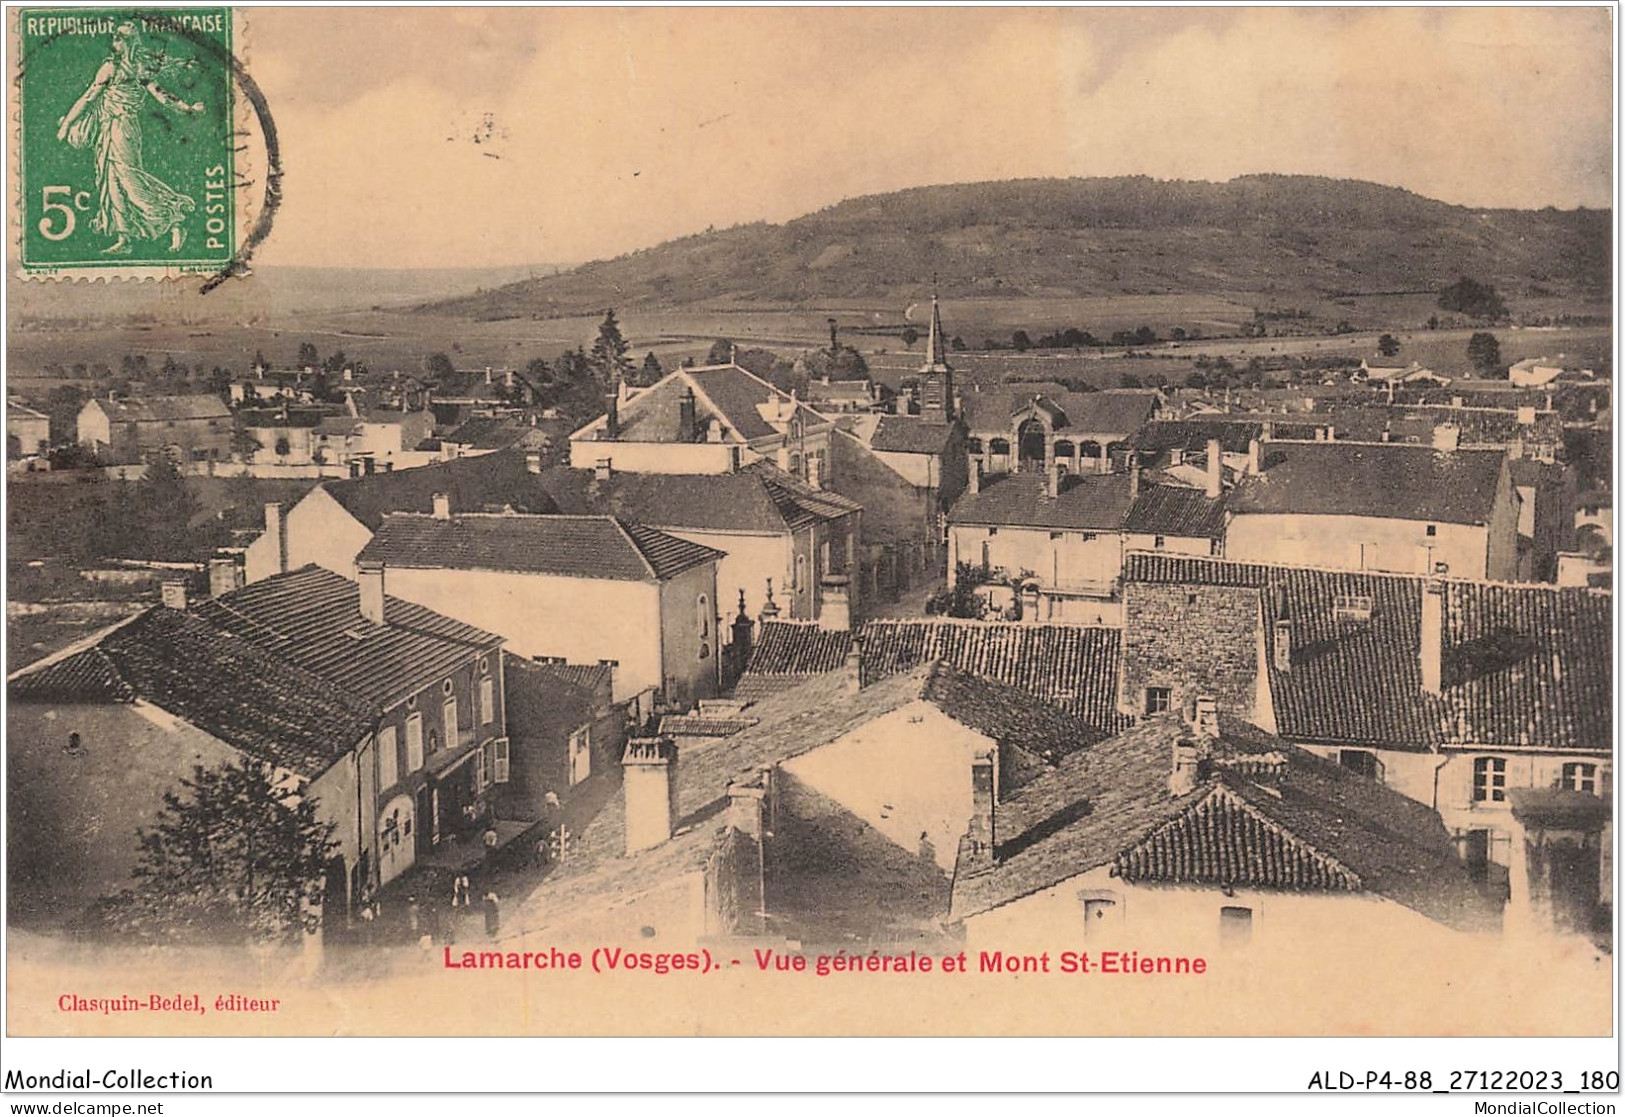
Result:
x=131 y=203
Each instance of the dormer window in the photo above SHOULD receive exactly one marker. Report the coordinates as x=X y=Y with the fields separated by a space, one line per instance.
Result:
x=1351 y=607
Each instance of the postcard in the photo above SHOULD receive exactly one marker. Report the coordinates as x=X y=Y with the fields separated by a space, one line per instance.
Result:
x=787 y=522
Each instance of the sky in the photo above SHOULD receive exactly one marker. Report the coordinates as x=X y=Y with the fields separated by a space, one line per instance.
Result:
x=482 y=137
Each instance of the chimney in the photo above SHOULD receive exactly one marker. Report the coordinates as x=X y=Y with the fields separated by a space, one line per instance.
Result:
x=1254 y=457
x=852 y=666
x=1133 y=476
x=1446 y=436
x=507 y=379
x=1526 y=416
x=649 y=784
x=1215 y=469
x=835 y=610
x=1052 y=482
x=603 y=470
x=442 y=506
x=225 y=575
x=770 y=609
x=612 y=416
x=174 y=595
x=488 y=374
x=1432 y=635
x=1283 y=645
x=976 y=851
x=276 y=530
x=746 y=808
x=685 y=415
x=370 y=575
x=1189 y=757
x=533 y=462
x=1205 y=721
x=975 y=476
x=1331 y=434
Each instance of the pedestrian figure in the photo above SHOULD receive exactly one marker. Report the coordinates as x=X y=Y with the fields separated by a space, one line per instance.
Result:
x=413 y=916
x=459 y=892
x=489 y=838
x=493 y=914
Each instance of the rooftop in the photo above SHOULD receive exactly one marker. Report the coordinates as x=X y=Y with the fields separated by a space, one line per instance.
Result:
x=1386 y=481
x=1263 y=814
x=1090 y=502
x=1072 y=667
x=759 y=499
x=735 y=398
x=487 y=483
x=990 y=410
x=910 y=434
x=244 y=695
x=1523 y=666
x=1234 y=435
x=311 y=618
x=1176 y=510
x=570 y=546
x=164 y=409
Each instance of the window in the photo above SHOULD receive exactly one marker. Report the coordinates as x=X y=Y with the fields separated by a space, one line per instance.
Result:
x=499 y=760
x=1158 y=543
x=387 y=774
x=1215 y=548
x=1102 y=911
x=449 y=716
x=414 y=742
x=485 y=664
x=445 y=687
x=799 y=579
x=1580 y=777
x=702 y=615
x=1235 y=925
x=488 y=700
x=1158 y=699
x=1489 y=779
x=1351 y=607
x=1360 y=762
x=487 y=761
x=1433 y=529
x=75 y=745
x=1057 y=535
x=993 y=531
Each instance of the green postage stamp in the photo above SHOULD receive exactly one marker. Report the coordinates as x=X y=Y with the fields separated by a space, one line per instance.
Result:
x=126 y=143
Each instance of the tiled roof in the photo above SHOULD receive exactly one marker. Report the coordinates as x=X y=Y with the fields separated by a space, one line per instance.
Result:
x=1523 y=666
x=165 y=409
x=1091 y=502
x=15 y=410
x=1073 y=667
x=487 y=433
x=1234 y=435
x=487 y=483
x=704 y=725
x=1381 y=480
x=571 y=546
x=241 y=694
x=736 y=394
x=909 y=434
x=990 y=410
x=311 y=618
x=1006 y=715
x=1175 y=510
x=1263 y=814
x=590 y=676
x=759 y=499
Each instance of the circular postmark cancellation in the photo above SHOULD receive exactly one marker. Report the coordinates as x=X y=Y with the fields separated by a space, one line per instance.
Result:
x=143 y=147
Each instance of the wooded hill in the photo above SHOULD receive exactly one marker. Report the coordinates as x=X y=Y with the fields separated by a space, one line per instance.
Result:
x=1265 y=234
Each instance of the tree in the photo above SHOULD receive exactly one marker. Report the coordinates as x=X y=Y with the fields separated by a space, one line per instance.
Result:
x=308 y=357
x=608 y=354
x=233 y=855
x=910 y=335
x=962 y=600
x=439 y=369
x=1388 y=345
x=1477 y=300
x=1020 y=342
x=651 y=368
x=721 y=351
x=1485 y=353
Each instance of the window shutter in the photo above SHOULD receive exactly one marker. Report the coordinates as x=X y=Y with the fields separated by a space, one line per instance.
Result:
x=499 y=752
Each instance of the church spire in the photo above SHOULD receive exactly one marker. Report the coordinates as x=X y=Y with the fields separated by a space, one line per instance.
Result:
x=936 y=349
